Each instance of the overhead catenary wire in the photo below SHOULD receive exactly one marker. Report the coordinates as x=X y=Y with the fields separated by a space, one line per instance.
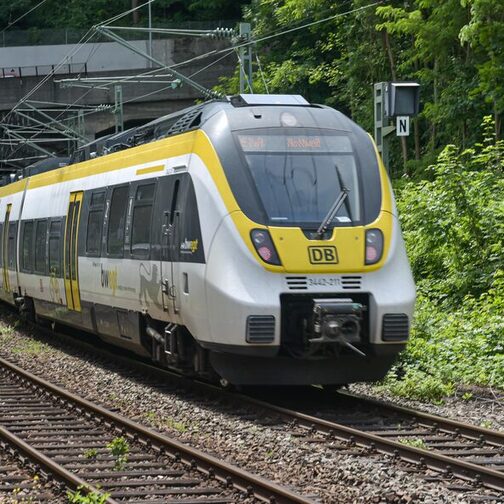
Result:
x=309 y=25
x=208 y=66
x=230 y=50
x=84 y=39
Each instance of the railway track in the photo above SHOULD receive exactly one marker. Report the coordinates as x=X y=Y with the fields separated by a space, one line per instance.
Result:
x=20 y=482
x=459 y=455
x=84 y=445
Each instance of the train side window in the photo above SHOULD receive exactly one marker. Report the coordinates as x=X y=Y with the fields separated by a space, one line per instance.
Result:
x=27 y=257
x=142 y=213
x=40 y=246
x=117 y=221
x=94 y=231
x=145 y=192
x=55 y=248
x=98 y=199
x=95 y=223
x=174 y=200
x=11 y=251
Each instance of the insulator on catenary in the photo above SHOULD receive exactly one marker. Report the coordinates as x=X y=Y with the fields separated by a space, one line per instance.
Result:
x=222 y=33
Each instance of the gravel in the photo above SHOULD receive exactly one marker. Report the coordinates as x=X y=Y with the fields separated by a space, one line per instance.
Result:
x=267 y=448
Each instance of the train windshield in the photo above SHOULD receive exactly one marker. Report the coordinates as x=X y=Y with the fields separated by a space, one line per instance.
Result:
x=299 y=176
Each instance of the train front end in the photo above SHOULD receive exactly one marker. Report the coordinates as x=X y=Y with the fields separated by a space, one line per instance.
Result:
x=307 y=279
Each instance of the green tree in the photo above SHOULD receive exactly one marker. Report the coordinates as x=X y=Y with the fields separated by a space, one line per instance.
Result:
x=428 y=48
x=485 y=34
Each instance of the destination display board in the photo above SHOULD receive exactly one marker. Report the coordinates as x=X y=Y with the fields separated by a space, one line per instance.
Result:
x=294 y=143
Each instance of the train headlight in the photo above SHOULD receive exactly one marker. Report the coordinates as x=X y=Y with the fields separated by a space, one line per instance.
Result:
x=264 y=246
x=374 y=246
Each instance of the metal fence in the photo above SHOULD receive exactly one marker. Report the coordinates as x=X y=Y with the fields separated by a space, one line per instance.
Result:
x=35 y=71
x=36 y=36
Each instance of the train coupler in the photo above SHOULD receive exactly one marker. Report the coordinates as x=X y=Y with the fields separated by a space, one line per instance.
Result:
x=337 y=322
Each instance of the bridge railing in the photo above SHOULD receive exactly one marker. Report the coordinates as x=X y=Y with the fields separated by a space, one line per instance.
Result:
x=42 y=70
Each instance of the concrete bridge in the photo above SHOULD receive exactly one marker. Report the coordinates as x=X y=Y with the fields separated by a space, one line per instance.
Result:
x=23 y=69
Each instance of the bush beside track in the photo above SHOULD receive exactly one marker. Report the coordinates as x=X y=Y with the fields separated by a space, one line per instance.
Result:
x=453 y=225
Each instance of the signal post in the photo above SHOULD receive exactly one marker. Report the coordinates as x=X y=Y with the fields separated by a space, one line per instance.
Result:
x=397 y=101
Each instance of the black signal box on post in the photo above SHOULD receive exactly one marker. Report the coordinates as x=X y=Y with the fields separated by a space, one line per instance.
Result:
x=403 y=99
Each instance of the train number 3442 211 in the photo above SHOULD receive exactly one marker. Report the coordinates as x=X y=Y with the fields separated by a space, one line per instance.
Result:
x=324 y=282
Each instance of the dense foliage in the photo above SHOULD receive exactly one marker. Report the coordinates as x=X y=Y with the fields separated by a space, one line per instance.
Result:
x=454 y=230
x=80 y=14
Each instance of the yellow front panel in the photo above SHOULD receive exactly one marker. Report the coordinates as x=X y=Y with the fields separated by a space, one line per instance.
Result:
x=346 y=249
x=291 y=243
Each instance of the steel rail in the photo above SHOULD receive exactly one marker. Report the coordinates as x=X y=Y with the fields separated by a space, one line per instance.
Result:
x=452 y=426
x=69 y=479
x=246 y=482
x=426 y=458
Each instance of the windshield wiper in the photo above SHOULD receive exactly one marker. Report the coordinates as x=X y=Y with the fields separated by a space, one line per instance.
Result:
x=342 y=196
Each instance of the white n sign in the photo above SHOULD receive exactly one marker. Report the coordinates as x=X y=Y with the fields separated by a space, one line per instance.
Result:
x=402 y=125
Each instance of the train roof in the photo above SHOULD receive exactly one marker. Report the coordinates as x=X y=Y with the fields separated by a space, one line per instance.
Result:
x=182 y=121
x=236 y=108
x=44 y=165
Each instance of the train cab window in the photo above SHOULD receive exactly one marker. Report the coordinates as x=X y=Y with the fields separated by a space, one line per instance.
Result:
x=27 y=257
x=117 y=221
x=141 y=228
x=298 y=174
x=95 y=224
x=40 y=246
x=55 y=248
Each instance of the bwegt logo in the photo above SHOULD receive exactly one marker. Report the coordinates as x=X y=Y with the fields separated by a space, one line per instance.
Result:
x=109 y=279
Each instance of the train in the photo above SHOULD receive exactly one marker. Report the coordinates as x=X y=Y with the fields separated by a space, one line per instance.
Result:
x=249 y=240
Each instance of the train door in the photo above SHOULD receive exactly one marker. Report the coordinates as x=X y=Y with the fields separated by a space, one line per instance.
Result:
x=5 y=249
x=172 y=191
x=71 y=252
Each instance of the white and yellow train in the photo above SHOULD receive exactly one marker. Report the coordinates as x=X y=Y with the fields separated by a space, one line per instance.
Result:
x=252 y=240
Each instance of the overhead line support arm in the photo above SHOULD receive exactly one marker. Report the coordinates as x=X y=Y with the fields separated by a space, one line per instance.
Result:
x=208 y=93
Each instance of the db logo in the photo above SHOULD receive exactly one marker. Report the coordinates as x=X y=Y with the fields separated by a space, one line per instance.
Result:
x=323 y=255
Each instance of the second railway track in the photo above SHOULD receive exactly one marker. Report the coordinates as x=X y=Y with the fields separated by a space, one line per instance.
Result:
x=453 y=449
